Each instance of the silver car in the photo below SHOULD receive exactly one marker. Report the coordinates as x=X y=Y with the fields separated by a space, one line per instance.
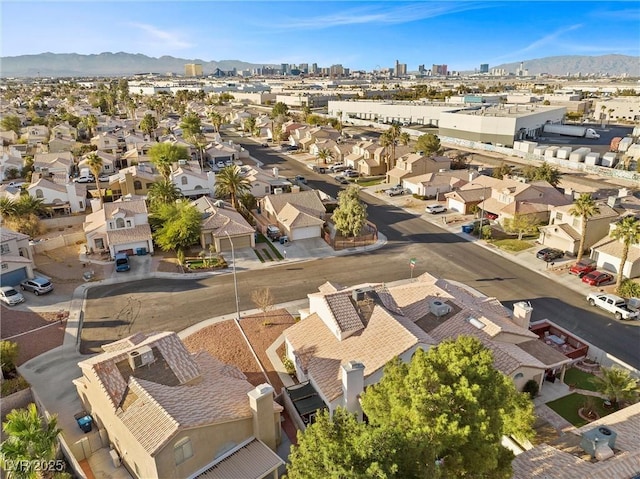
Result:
x=10 y=296
x=37 y=285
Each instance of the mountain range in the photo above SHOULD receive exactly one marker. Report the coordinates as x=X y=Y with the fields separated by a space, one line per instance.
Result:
x=119 y=64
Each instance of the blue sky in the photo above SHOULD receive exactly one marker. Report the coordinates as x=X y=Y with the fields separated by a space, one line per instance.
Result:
x=359 y=35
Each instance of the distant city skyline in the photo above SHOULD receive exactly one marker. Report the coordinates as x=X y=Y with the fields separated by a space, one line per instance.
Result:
x=360 y=35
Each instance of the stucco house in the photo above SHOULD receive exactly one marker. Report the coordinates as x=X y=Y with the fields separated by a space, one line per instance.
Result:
x=565 y=230
x=169 y=413
x=373 y=323
x=16 y=257
x=109 y=142
x=36 y=134
x=264 y=182
x=63 y=198
x=414 y=164
x=134 y=180
x=607 y=253
x=121 y=226
x=55 y=163
x=108 y=162
x=219 y=219
x=435 y=185
x=300 y=215
x=193 y=184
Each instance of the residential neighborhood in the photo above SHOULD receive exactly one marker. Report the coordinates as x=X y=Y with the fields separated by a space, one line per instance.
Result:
x=207 y=280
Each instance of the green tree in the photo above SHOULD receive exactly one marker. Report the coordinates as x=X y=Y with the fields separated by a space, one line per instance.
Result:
x=30 y=438
x=351 y=214
x=544 y=172
x=7 y=207
x=163 y=192
x=324 y=154
x=8 y=357
x=585 y=207
x=177 y=226
x=148 y=125
x=279 y=109
x=94 y=162
x=216 y=120
x=230 y=182
x=249 y=124
x=390 y=139
x=617 y=384
x=500 y=171
x=27 y=204
x=190 y=125
x=164 y=155
x=453 y=407
x=11 y=123
x=626 y=230
x=521 y=225
x=92 y=122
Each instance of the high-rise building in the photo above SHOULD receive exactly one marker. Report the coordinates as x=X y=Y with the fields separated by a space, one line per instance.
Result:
x=314 y=69
x=439 y=70
x=193 y=70
x=400 y=69
x=484 y=68
x=304 y=67
x=421 y=69
x=336 y=70
x=284 y=68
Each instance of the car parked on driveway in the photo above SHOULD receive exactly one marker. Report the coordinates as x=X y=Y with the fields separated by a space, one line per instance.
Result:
x=342 y=180
x=10 y=296
x=85 y=179
x=583 y=267
x=122 y=262
x=351 y=173
x=395 y=191
x=597 y=278
x=435 y=209
x=37 y=285
x=300 y=180
x=549 y=254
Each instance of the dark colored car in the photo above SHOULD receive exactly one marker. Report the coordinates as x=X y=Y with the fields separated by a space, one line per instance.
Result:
x=549 y=254
x=597 y=278
x=583 y=267
x=342 y=180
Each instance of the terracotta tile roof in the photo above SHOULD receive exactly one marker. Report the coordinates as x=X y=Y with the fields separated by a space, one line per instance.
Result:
x=44 y=183
x=298 y=217
x=343 y=312
x=6 y=235
x=605 y=211
x=130 y=206
x=250 y=460
x=221 y=220
x=124 y=236
x=614 y=248
x=321 y=353
x=310 y=200
x=566 y=228
x=330 y=287
x=550 y=461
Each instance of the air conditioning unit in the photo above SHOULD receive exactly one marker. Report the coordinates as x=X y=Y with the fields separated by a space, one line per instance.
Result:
x=140 y=357
x=358 y=294
x=439 y=308
x=115 y=458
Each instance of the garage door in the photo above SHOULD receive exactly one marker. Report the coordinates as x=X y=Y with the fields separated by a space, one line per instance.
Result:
x=238 y=243
x=14 y=277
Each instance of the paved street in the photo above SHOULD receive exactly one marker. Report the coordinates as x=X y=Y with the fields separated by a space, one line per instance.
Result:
x=159 y=304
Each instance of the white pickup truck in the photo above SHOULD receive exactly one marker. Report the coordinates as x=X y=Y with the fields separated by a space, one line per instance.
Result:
x=614 y=304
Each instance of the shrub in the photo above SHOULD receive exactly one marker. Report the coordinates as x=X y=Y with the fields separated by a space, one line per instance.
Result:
x=10 y=386
x=630 y=289
x=8 y=356
x=288 y=365
x=531 y=387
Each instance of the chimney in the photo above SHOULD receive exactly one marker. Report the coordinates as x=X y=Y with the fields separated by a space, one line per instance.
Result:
x=275 y=172
x=96 y=205
x=622 y=192
x=473 y=174
x=353 y=386
x=264 y=421
x=211 y=180
x=522 y=314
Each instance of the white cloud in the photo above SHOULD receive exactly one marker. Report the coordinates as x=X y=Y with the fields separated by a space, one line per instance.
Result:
x=161 y=39
x=551 y=39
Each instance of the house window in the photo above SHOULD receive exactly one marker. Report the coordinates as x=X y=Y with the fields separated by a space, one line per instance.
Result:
x=81 y=205
x=266 y=189
x=518 y=376
x=184 y=180
x=137 y=185
x=128 y=223
x=4 y=249
x=99 y=243
x=576 y=222
x=39 y=193
x=119 y=223
x=5 y=266
x=182 y=450
x=558 y=216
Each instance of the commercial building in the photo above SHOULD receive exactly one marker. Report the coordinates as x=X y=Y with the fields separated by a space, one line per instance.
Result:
x=193 y=70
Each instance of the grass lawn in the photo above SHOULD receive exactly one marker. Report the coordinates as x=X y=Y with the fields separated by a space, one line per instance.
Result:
x=512 y=245
x=365 y=183
x=204 y=263
x=580 y=379
x=568 y=407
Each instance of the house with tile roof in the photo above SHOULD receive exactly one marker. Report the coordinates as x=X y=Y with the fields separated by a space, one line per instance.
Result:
x=264 y=182
x=53 y=163
x=63 y=198
x=109 y=142
x=414 y=164
x=608 y=448
x=16 y=257
x=192 y=182
x=373 y=323
x=565 y=230
x=120 y=226
x=109 y=162
x=300 y=215
x=435 y=185
x=219 y=219
x=608 y=253
x=168 y=412
x=134 y=180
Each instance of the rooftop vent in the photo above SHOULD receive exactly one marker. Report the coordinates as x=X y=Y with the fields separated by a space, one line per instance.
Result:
x=140 y=357
x=476 y=323
x=439 y=308
x=599 y=442
x=359 y=294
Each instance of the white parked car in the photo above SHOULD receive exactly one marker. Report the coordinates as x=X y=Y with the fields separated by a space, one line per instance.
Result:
x=435 y=209
x=10 y=296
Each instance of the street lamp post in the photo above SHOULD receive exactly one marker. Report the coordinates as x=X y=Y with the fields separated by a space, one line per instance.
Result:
x=235 y=278
x=484 y=195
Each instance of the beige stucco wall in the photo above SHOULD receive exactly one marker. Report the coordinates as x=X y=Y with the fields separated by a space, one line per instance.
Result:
x=527 y=374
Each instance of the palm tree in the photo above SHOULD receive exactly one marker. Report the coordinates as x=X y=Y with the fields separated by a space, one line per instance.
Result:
x=249 y=124
x=163 y=192
x=94 y=162
x=190 y=125
x=148 y=124
x=628 y=231
x=585 y=207
x=324 y=154
x=199 y=141
x=390 y=139
x=216 y=120
x=27 y=204
x=164 y=155
x=30 y=439
x=230 y=182
x=91 y=121
x=617 y=384
x=7 y=207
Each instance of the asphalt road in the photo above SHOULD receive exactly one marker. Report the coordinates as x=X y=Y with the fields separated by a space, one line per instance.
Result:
x=155 y=305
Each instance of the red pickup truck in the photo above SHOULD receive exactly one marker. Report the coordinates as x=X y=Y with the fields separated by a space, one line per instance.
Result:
x=583 y=267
